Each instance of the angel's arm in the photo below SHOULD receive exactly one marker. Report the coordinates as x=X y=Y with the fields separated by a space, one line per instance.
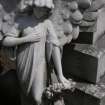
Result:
x=13 y=41
x=12 y=38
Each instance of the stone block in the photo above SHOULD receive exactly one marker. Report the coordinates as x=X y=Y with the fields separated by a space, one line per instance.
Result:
x=86 y=94
x=88 y=27
x=90 y=16
x=82 y=94
x=87 y=65
x=84 y=38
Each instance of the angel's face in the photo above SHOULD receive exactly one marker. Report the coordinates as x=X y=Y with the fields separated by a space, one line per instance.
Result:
x=40 y=11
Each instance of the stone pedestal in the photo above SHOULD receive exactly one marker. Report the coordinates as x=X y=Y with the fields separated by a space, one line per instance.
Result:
x=81 y=93
x=85 y=64
x=85 y=38
x=86 y=94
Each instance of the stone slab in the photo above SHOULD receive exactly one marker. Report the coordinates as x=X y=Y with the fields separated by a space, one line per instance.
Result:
x=82 y=94
x=86 y=94
x=84 y=38
x=87 y=65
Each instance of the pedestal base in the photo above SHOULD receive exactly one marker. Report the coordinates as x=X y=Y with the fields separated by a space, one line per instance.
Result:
x=86 y=94
x=87 y=65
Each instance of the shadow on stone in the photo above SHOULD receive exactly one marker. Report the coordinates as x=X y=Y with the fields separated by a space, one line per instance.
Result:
x=9 y=89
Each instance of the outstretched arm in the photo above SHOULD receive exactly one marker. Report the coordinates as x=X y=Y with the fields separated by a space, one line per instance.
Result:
x=12 y=37
x=13 y=41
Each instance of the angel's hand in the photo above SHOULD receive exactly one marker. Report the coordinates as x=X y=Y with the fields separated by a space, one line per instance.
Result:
x=69 y=38
x=33 y=38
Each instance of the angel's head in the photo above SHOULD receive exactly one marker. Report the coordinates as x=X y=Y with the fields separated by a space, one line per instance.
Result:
x=38 y=8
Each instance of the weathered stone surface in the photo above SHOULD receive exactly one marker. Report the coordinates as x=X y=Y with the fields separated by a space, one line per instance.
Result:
x=96 y=4
x=86 y=94
x=83 y=94
x=86 y=64
x=97 y=29
x=100 y=26
x=90 y=16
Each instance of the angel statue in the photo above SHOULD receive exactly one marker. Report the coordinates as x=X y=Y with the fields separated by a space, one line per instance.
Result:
x=31 y=33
